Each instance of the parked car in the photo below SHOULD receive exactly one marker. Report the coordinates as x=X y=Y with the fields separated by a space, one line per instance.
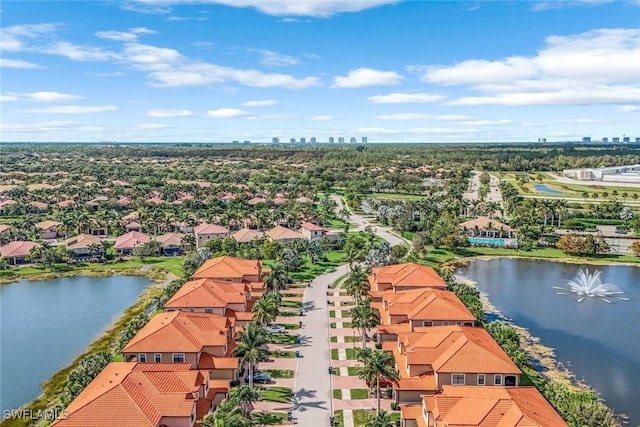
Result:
x=275 y=329
x=384 y=382
x=259 y=378
x=264 y=357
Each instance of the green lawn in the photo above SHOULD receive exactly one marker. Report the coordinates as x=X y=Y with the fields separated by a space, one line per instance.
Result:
x=290 y=326
x=282 y=353
x=351 y=353
x=344 y=325
x=269 y=418
x=283 y=339
x=359 y=393
x=337 y=393
x=337 y=281
x=279 y=373
x=347 y=338
x=338 y=420
x=291 y=304
x=276 y=394
x=354 y=371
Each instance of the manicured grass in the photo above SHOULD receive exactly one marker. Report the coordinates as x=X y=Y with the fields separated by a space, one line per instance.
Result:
x=290 y=326
x=283 y=339
x=290 y=295
x=359 y=393
x=344 y=325
x=269 y=418
x=337 y=393
x=282 y=353
x=354 y=371
x=337 y=281
x=276 y=394
x=289 y=314
x=393 y=196
x=338 y=420
x=279 y=373
x=291 y=304
x=351 y=354
x=347 y=338
x=361 y=417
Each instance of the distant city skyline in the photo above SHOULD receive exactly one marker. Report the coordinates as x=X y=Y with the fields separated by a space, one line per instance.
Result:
x=385 y=70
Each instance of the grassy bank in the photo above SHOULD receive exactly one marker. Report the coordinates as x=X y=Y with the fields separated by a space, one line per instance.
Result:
x=54 y=388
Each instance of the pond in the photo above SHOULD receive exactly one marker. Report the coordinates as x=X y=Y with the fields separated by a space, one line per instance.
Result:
x=544 y=189
x=45 y=324
x=596 y=340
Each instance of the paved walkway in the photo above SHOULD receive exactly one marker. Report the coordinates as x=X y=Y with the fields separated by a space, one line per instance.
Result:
x=312 y=400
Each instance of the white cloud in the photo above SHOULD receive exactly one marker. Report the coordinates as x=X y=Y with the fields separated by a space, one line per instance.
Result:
x=8 y=98
x=148 y=57
x=72 y=109
x=541 y=6
x=269 y=58
x=271 y=117
x=15 y=38
x=406 y=98
x=17 y=63
x=152 y=126
x=160 y=113
x=629 y=108
x=36 y=126
x=405 y=116
x=485 y=122
x=315 y=8
x=226 y=113
x=124 y=36
x=78 y=52
x=322 y=118
x=363 y=77
x=583 y=120
x=45 y=96
x=260 y=103
x=480 y=71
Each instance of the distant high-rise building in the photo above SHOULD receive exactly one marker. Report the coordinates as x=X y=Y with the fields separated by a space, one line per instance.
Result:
x=341 y=140
x=637 y=140
x=626 y=139
x=605 y=139
x=615 y=139
x=246 y=142
x=292 y=140
x=235 y=142
x=586 y=139
x=364 y=139
x=332 y=140
x=353 y=140
x=542 y=139
x=313 y=140
x=275 y=140
x=303 y=140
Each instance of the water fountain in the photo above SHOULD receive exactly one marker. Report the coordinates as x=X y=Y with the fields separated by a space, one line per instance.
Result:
x=586 y=285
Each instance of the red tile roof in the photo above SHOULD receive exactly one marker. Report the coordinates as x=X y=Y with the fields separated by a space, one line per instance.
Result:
x=17 y=248
x=228 y=267
x=206 y=228
x=208 y=293
x=283 y=233
x=312 y=227
x=82 y=241
x=483 y=222
x=409 y=275
x=130 y=240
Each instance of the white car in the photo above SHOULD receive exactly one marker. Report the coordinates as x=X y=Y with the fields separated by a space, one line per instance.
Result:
x=275 y=329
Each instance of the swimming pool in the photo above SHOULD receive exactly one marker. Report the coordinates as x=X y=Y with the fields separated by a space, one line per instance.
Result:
x=544 y=189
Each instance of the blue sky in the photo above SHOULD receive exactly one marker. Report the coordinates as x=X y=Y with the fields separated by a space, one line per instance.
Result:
x=405 y=71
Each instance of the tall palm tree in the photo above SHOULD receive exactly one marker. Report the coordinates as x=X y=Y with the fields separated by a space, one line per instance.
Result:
x=278 y=278
x=244 y=396
x=381 y=419
x=250 y=346
x=363 y=318
x=357 y=284
x=266 y=309
x=227 y=414
x=377 y=363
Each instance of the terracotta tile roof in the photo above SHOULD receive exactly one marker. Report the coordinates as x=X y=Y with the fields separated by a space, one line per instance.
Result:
x=405 y=275
x=82 y=241
x=133 y=216
x=303 y=199
x=427 y=304
x=130 y=240
x=413 y=412
x=483 y=224
x=180 y=332
x=228 y=267
x=66 y=203
x=206 y=228
x=135 y=395
x=208 y=293
x=209 y=361
x=279 y=200
x=38 y=205
x=133 y=224
x=156 y=200
x=478 y=406
x=394 y=329
x=247 y=235
x=17 y=248
x=283 y=233
x=44 y=225
x=456 y=349
x=240 y=315
x=4 y=227
x=170 y=239
x=124 y=201
x=312 y=227
x=254 y=201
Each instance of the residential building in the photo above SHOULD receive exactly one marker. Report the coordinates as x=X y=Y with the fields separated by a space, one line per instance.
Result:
x=489 y=232
x=275 y=140
x=37 y=207
x=341 y=140
x=205 y=231
x=626 y=173
x=4 y=228
x=332 y=140
x=48 y=229
x=586 y=139
x=133 y=226
x=17 y=252
x=365 y=139
x=312 y=231
x=482 y=406
x=431 y=357
x=605 y=139
x=247 y=235
x=84 y=246
x=233 y=269
x=626 y=139
x=304 y=199
x=313 y=140
x=403 y=277
x=303 y=140
x=256 y=200
x=292 y=140
x=172 y=244
x=205 y=341
x=406 y=311
x=615 y=140
x=131 y=217
x=145 y=395
x=211 y=296
x=125 y=244
x=283 y=234
x=353 y=140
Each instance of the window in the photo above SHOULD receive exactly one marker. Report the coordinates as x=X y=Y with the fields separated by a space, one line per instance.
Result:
x=157 y=357
x=497 y=379
x=510 y=380
x=457 y=379
x=459 y=323
x=208 y=310
x=468 y=323
x=481 y=379
x=445 y=323
x=192 y=310
x=178 y=357
x=426 y=323
x=142 y=357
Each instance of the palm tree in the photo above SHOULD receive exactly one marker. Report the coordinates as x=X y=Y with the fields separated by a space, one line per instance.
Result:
x=357 y=284
x=244 y=396
x=227 y=414
x=377 y=363
x=266 y=309
x=381 y=419
x=250 y=346
x=278 y=278
x=363 y=318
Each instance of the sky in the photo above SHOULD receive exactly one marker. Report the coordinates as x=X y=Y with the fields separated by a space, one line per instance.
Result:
x=390 y=70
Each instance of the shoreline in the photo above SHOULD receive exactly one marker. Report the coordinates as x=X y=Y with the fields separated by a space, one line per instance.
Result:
x=462 y=261
x=154 y=275
x=52 y=387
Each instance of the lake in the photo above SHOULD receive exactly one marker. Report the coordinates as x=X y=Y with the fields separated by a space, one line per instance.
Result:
x=597 y=341
x=544 y=189
x=45 y=324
